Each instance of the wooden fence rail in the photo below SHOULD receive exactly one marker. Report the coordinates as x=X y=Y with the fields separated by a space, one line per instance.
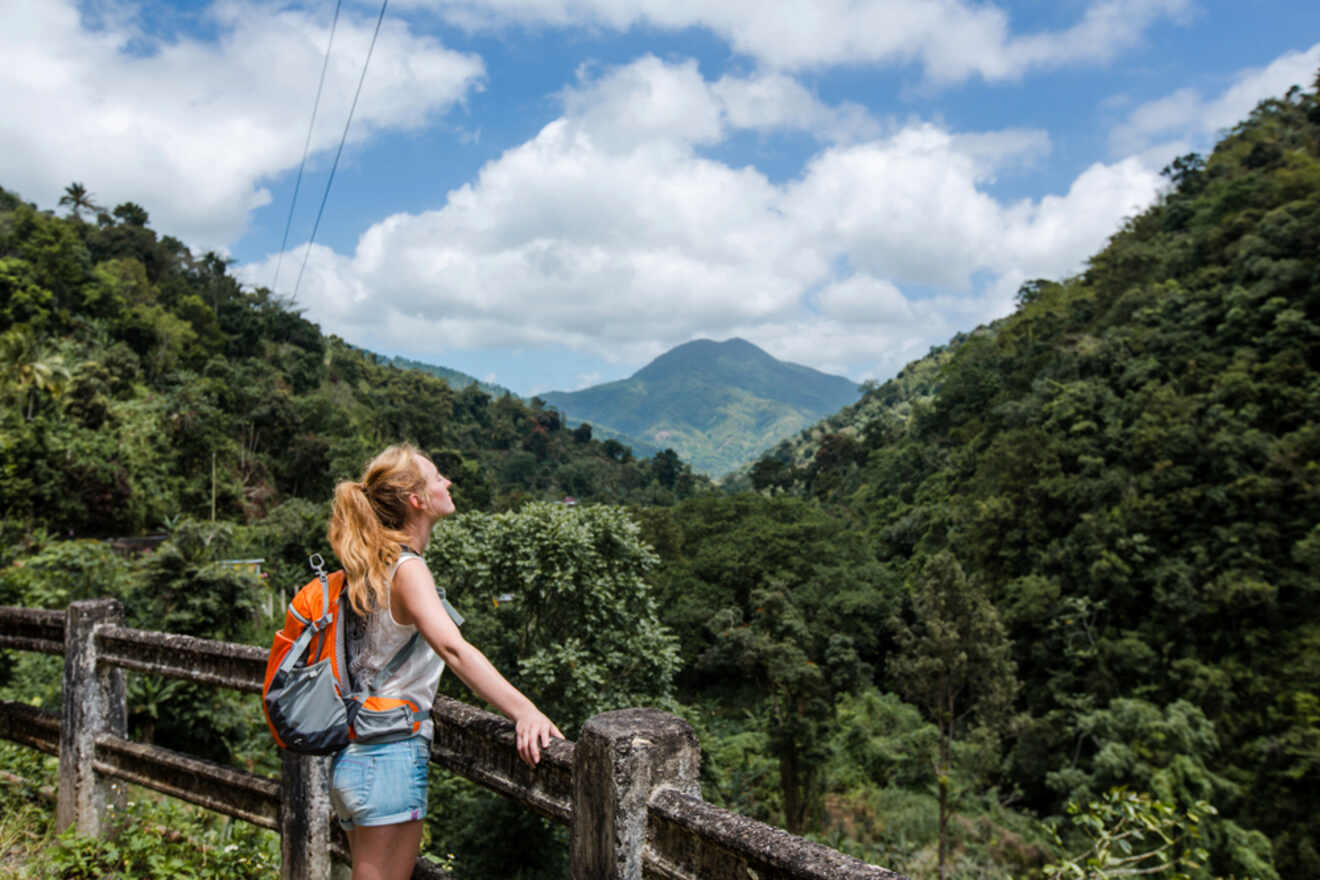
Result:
x=627 y=790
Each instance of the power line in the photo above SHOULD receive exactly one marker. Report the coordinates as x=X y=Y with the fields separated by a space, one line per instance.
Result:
x=275 y=285
x=339 y=152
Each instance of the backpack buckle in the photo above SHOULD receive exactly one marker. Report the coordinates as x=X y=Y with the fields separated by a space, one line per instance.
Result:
x=318 y=566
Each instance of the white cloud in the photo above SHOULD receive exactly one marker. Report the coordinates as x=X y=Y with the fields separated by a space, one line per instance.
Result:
x=911 y=208
x=866 y=299
x=644 y=102
x=595 y=239
x=192 y=129
x=651 y=100
x=777 y=102
x=1188 y=117
x=994 y=151
x=1107 y=27
x=951 y=40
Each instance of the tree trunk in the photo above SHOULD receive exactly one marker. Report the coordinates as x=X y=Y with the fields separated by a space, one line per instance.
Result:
x=944 y=823
x=946 y=760
x=791 y=783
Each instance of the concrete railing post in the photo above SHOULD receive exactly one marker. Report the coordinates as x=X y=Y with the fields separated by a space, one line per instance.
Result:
x=621 y=760
x=305 y=818
x=93 y=704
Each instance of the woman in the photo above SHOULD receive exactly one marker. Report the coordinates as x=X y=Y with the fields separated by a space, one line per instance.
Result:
x=378 y=529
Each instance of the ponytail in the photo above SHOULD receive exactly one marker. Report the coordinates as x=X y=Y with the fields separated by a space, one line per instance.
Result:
x=367 y=520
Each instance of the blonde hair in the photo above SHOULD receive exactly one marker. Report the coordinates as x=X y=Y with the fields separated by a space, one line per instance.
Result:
x=367 y=523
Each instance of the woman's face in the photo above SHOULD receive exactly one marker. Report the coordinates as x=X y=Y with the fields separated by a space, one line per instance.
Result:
x=436 y=501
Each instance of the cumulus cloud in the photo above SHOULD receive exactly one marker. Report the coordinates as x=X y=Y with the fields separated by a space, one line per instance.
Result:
x=866 y=299
x=769 y=102
x=1168 y=125
x=592 y=237
x=193 y=128
x=951 y=40
x=652 y=100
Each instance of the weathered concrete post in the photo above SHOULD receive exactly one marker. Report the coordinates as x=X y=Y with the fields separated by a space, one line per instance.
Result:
x=621 y=760
x=305 y=818
x=93 y=704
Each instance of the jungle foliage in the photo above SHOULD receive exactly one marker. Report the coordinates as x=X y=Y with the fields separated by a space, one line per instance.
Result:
x=140 y=382
x=1129 y=468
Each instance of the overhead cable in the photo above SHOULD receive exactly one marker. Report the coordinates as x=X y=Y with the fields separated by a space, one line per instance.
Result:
x=340 y=151
x=275 y=285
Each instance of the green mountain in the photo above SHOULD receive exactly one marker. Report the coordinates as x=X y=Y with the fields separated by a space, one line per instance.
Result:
x=717 y=404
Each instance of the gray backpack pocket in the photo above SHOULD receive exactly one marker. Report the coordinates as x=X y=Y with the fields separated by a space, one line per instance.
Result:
x=379 y=725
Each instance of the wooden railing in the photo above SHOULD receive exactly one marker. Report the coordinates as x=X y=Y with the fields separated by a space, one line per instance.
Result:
x=628 y=789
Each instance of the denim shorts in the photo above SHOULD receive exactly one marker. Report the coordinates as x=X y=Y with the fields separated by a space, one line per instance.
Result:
x=380 y=783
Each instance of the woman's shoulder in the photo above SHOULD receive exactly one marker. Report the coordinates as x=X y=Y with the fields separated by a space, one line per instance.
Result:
x=406 y=555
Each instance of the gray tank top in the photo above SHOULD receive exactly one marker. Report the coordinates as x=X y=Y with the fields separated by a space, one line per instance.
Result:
x=419 y=675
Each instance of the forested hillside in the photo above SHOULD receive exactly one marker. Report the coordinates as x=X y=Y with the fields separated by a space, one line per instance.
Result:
x=134 y=371
x=1128 y=469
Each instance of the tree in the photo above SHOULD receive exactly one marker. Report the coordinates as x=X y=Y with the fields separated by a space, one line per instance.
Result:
x=1185 y=172
x=774 y=648
x=1171 y=751
x=24 y=301
x=555 y=596
x=78 y=199
x=1133 y=834
x=616 y=451
x=133 y=214
x=954 y=663
x=667 y=466
x=769 y=472
x=29 y=370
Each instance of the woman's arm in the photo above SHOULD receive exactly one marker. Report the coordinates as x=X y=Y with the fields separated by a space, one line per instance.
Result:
x=414 y=601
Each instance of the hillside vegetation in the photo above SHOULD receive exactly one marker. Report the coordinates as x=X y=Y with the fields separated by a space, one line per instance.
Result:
x=140 y=381
x=1128 y=467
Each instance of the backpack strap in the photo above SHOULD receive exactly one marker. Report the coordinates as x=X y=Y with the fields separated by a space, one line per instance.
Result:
x=296 y=650
x=393 y=666
x=449 y=609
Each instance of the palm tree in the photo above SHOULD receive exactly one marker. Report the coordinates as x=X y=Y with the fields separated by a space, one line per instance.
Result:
x=77 y=197
x=29 y=370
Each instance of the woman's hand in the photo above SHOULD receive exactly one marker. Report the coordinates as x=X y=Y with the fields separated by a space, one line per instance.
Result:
x=533 y=731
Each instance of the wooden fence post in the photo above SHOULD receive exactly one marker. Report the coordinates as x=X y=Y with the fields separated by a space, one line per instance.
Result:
x=93 y=704
x=305 y=818
x=621 y=760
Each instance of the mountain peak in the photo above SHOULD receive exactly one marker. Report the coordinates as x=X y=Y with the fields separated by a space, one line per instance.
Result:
x=718 y=404
x=700 y=355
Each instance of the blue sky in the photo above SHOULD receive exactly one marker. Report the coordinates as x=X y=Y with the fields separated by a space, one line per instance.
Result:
x=549 y=193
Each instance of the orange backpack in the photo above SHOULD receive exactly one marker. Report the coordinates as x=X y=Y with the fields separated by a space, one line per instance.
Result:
x=311 y=704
